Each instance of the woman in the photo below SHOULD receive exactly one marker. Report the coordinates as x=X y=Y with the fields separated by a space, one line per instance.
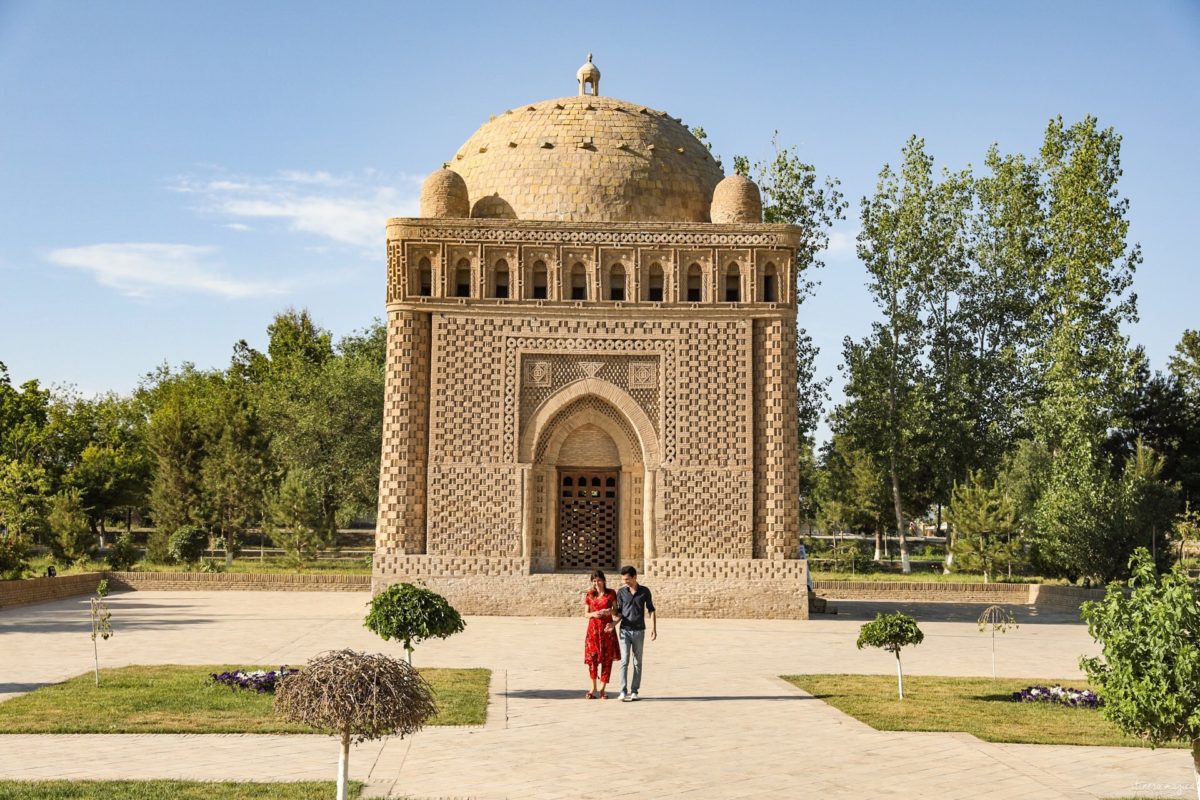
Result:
x=600 y=647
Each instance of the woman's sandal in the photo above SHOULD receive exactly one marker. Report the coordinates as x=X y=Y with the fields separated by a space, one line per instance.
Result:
x=603 y=694
x=589 y=696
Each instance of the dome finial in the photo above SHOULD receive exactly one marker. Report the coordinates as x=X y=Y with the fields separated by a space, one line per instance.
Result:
x=589 y=74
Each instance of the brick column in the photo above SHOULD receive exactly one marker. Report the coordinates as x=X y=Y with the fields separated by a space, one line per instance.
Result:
x=776 y=441
x=402 y=477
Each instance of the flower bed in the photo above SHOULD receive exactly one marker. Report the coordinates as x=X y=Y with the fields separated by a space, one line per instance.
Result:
x=260 y=680
x=1059 y=695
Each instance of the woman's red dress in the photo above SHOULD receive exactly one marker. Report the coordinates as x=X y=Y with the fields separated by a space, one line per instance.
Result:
x=600 y=647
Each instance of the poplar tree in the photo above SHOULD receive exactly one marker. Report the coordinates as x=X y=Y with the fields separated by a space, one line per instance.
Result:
x=1084 y=362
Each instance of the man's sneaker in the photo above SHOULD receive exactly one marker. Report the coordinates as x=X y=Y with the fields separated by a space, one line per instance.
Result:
x=624 y=697
x=634 y=696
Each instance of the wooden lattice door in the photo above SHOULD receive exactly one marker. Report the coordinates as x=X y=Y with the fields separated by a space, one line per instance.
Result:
x=587 y=519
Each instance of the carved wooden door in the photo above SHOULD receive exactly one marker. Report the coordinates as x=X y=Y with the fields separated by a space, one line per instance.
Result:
x=587 y=519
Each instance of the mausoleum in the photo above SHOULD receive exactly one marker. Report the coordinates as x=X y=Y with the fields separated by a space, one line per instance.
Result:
x=591 y=363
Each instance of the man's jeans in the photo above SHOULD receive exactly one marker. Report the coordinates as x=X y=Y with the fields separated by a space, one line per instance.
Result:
x=631 y=646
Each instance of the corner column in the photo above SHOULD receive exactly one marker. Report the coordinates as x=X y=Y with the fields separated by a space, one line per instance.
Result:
x=403 y=467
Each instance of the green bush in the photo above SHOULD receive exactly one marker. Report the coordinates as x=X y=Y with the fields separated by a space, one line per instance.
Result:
x=14 y=556
x=123 y=554
x=187 y=544
x=71 y=539
x=412 y=614
x=158 y=548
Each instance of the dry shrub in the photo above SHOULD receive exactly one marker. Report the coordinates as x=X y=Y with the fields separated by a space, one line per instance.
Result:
x=358 y=696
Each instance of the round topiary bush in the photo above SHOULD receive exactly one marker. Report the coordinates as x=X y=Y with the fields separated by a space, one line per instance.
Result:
x=891 y=632
x=412 y=614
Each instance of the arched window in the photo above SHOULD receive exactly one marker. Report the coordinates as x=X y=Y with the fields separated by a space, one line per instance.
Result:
x=654 y=283
x=540 y=280
x=462 y=278
x=733 y=284
x=695 y=291
x=616 y=282
x=424 y=278
x=578 y=282
x=500 y=279
x=770 y=283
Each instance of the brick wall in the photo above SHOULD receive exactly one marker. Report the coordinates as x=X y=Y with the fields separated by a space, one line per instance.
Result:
x=42 y=590
x=685 y=588
x=1008 y=593
x=1062 y=598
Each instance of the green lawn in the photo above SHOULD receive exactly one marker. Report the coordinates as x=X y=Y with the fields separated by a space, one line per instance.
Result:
x=979 y=706
x=169 y=790
x=180 y=699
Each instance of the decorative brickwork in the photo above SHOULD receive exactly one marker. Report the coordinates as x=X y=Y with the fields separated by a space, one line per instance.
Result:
x=776 y=443
x=402 y=478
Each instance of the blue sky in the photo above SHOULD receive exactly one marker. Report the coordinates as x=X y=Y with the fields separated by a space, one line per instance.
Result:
x=173 y=174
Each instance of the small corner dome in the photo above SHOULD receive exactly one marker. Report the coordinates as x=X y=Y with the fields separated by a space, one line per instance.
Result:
x=736 y=199
x=444 y=194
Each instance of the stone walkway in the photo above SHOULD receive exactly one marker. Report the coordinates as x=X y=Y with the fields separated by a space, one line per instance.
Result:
x=716 y=720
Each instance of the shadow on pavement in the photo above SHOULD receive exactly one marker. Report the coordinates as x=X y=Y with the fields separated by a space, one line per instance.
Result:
x=84 y=624
x=577 y=694
x=15 y=688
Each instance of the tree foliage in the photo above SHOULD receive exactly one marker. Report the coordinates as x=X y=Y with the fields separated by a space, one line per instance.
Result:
x=984 y=520
x=892 y=633
x=412 y=614
x=1149 y=669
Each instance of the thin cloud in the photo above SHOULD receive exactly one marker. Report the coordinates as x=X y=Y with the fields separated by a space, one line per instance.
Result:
x=140 y=269
x=238 y=226
x=843 y=242
x=349 y=210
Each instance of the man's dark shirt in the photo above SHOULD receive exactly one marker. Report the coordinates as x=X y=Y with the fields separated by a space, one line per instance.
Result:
x=632 y=606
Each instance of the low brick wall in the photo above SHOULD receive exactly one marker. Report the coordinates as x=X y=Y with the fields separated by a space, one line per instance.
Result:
x=43 y=590
x=999 y=593
x=1062 y=598
x=237 y=581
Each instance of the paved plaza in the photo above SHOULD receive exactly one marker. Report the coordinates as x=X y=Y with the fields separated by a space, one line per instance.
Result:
x=716 y=721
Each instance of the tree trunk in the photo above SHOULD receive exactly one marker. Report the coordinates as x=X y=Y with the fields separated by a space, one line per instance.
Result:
x=878 y=546
x=229 y=549
x=96 y=655
x=905 y=566
x=899 y=675
x=1196 y=764
x=409 y=650
x=993 y=652
x=343 y=767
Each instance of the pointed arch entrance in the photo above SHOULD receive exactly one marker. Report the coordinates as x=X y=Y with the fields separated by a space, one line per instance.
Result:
x=591 y=456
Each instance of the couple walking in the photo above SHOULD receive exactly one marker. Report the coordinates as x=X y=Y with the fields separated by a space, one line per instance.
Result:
x=607 y=610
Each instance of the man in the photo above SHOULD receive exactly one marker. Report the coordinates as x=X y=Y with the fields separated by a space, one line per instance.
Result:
x=633 y=603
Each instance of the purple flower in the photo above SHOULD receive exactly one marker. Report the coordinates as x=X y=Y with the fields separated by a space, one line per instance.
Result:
x=261 y=681
x=1059 y=695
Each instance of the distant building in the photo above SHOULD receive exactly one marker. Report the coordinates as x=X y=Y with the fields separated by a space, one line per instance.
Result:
x=591 y=362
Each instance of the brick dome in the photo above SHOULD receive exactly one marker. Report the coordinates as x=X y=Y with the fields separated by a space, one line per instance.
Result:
x=587 y=159
x=444 y=194
x=736 y=199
